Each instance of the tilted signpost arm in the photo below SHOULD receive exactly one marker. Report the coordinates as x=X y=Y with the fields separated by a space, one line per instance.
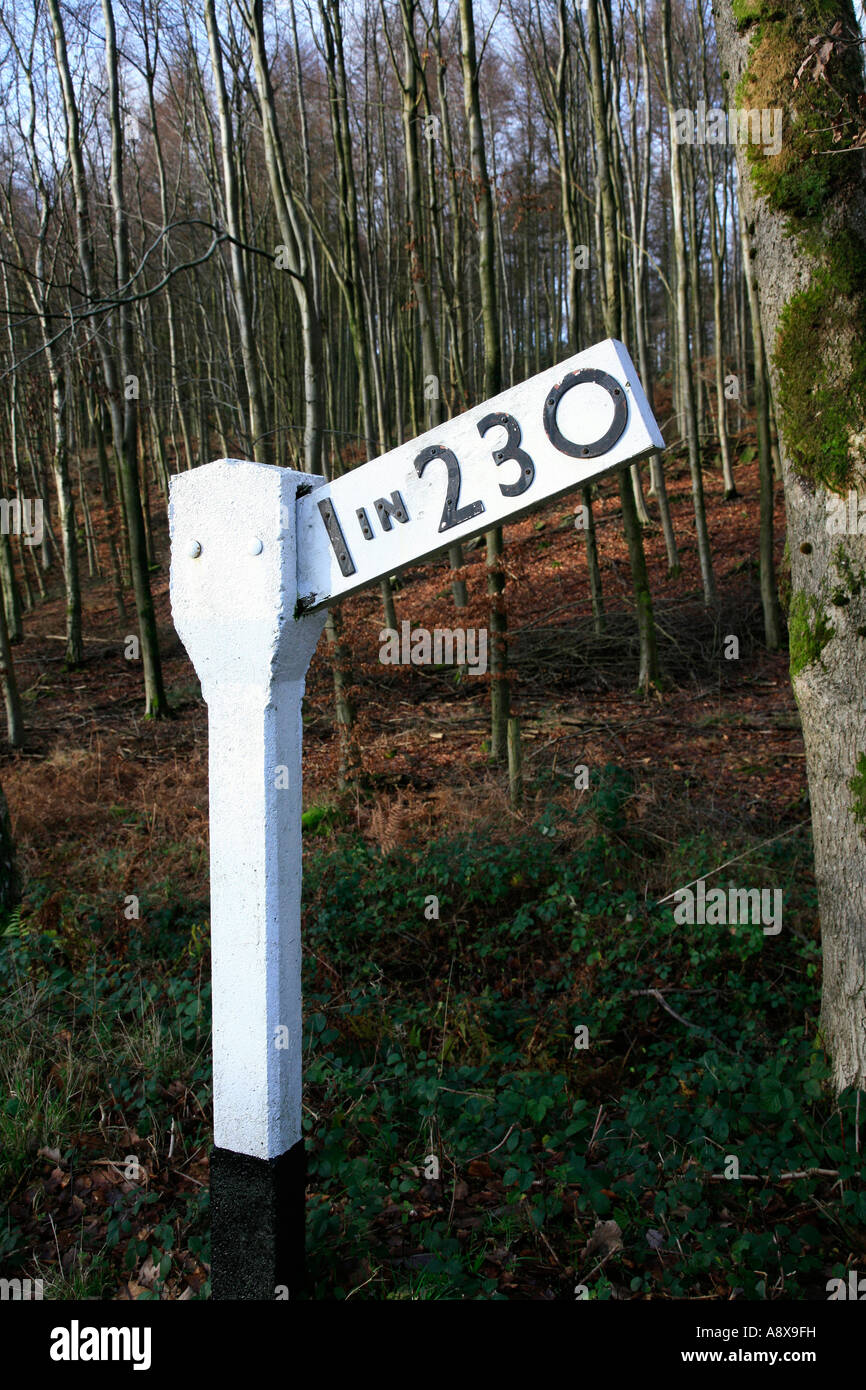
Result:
x=258 y=553
x=559 y=431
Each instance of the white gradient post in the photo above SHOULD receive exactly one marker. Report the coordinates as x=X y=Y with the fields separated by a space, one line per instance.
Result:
x=258 y=553
x=233 y=596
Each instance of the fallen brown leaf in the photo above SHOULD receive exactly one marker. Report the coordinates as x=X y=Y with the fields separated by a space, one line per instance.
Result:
x=605 y=1240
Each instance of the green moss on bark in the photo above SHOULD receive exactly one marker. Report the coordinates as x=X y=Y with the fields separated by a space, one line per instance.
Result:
x=853 y=578
x=823 y=408
x=857 y=788
x=809 y=166
x=748 y=12
x=808 y=631
x=820 y=348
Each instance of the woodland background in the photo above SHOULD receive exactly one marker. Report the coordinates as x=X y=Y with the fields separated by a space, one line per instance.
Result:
x=304 y=235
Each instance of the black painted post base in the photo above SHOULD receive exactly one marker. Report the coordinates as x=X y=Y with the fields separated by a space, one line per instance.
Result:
x=257 y=1224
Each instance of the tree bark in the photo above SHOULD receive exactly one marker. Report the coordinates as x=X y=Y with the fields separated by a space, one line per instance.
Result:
x=684 y=354
x=11 y=698
x=298 y=262
x=260 y=438
x=806 y=215
x=767 y=569
x=122 y=404
x=648 y=671
x=500 y=691
x=10 y=882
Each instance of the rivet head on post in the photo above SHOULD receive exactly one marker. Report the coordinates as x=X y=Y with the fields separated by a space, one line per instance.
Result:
x=193 y=550
x=254 y=546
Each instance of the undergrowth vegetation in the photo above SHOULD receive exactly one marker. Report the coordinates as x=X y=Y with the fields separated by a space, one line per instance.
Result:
x=523 y=1078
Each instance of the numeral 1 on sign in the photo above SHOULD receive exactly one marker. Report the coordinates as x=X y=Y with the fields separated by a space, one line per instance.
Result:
x=336 y=537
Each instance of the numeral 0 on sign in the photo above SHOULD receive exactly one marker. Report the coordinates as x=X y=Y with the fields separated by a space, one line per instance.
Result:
x=452 y=513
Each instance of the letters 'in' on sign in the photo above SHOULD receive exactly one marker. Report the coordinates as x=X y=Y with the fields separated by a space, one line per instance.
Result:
x=560 y=430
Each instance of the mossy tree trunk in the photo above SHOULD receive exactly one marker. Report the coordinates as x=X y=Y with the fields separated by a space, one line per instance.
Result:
x=806 y=214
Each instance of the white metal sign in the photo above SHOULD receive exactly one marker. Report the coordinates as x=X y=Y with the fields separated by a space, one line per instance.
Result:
x=557 y=431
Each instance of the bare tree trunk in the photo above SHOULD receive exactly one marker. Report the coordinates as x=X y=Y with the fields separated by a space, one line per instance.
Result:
x=299 y=261
x=558 y=91
x=767 y=569
x=7 y=567
x=718 y=220
x=38 y=289
x=10 y=881
x=648 y=670
x=122 y=402
x=93 y=569
x=500 y=692
x=125 y=415
x=412 y=93
x=10 y=590
x=684 y=356
x=599 y=621
x=258 y=423
x=95 y=414
x=348 y=270
x=150 y=36
x=295 y=258
x=11 y=698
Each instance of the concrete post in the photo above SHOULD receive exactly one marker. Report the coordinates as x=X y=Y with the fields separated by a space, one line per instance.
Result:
x=233 y=598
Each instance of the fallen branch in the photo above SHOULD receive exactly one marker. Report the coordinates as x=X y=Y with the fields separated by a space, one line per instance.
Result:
x=657 y=995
